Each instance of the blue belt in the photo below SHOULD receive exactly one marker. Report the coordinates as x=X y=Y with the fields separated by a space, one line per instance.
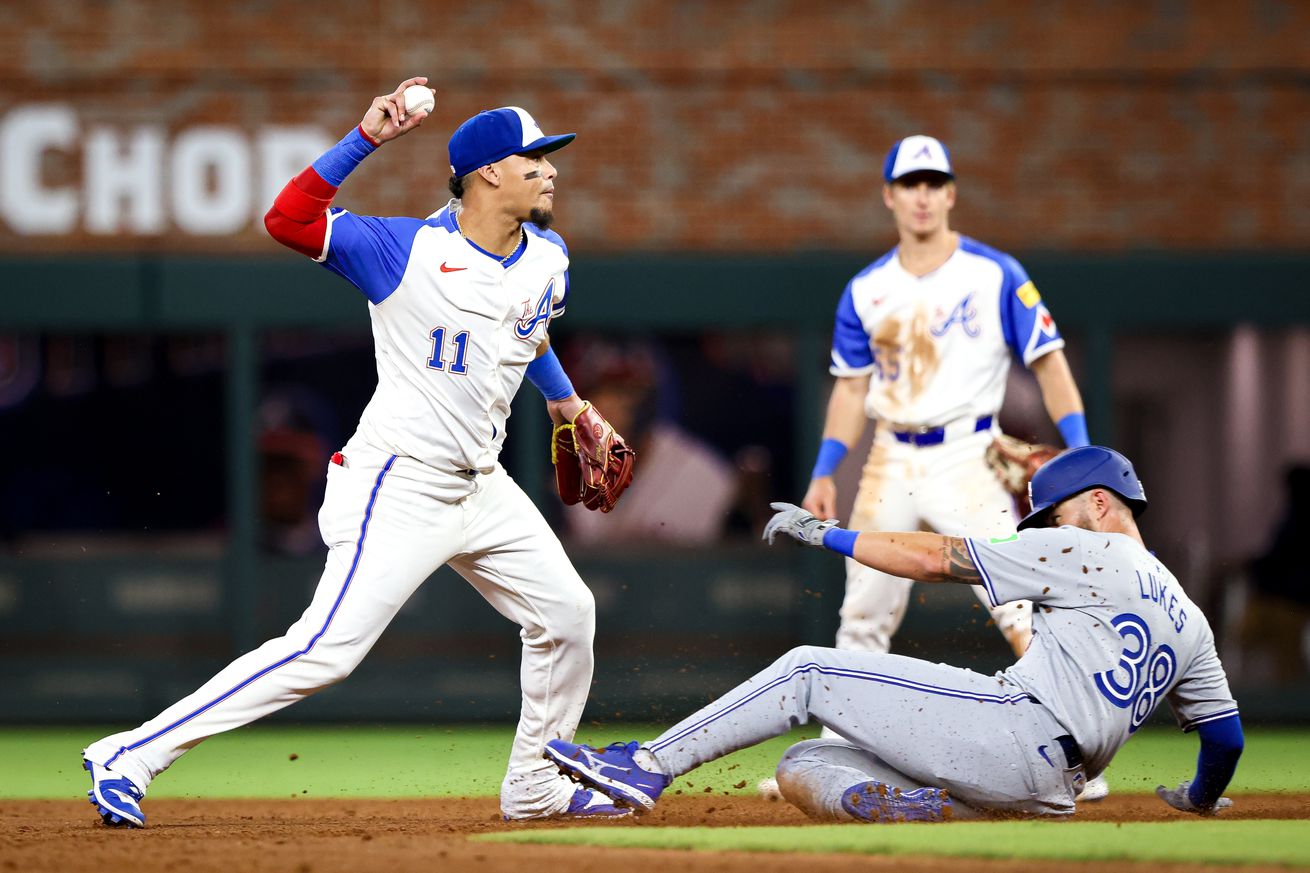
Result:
x=1072 y=754
x=935 y=435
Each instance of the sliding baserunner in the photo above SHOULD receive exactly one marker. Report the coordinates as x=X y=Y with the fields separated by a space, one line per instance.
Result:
x=1114 y=635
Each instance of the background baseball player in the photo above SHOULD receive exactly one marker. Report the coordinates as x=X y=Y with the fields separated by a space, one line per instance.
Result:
x=460 y=303
x=922 y=345
x=1114 y=635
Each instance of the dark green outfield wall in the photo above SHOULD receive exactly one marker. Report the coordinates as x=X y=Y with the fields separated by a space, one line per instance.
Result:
x=648 y=291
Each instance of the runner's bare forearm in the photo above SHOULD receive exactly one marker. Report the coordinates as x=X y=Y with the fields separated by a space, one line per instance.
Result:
x=924 y=557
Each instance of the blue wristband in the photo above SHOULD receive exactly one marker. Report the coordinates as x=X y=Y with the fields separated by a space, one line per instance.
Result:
x=547 y=374
x=831 y=453
x=335 y=164
x=1073 y=428
x=839 y=539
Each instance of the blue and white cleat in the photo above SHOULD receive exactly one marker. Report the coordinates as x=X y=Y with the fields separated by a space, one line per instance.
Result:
x=115 y=797
x=590 y=803
x=878 y=802
x=612 y=770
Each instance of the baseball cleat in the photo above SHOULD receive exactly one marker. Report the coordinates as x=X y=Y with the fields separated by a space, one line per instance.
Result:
x=879 y=802
x=611 y=770
x=1095 y=789
x=115 y=797
x=589 y=803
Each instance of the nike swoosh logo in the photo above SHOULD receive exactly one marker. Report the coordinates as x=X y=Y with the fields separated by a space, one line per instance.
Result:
x=446 y=269
x=1041 y=750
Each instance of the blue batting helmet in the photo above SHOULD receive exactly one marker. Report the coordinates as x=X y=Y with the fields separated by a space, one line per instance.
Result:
x=1074 y=471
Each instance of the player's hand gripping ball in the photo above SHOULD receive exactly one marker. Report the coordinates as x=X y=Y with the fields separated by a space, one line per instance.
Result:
x=797 y=524
x=593 y=465
x=1180 y=798
x=419 y=98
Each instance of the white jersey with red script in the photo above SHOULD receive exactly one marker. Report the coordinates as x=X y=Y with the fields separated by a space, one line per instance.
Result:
x=440 y=306
x=1113 y=635
x=938 y=346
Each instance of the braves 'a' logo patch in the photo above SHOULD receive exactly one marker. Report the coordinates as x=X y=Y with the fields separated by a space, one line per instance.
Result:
x=535 y=315
x=965 y=314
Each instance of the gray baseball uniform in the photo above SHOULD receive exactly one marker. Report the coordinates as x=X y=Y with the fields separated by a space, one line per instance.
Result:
x=1115 y=633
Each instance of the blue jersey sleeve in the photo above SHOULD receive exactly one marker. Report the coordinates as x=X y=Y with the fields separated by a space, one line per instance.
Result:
x=851 y=353
x=1029 y=330
x=370 y=253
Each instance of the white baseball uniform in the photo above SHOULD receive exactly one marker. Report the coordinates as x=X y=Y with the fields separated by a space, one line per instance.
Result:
x=418 y=486
x=937 y=349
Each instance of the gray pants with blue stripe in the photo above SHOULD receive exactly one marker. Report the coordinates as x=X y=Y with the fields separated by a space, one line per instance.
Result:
x=906 y=723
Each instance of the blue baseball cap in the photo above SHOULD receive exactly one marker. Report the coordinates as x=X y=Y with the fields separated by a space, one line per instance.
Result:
x=495 y=134
x=917 y=154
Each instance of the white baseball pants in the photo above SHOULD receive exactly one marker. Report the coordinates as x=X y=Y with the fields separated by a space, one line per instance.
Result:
x=388 y=529
x=947 y=488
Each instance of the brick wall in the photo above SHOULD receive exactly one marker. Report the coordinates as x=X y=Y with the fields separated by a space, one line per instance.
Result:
x=729 y=126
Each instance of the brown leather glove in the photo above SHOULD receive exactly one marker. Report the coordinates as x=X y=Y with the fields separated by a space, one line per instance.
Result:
x=593 y=465
x=1014 y=462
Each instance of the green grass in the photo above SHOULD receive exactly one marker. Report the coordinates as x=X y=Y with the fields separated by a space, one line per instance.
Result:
x=464 y=761
x=337 y=761
x=1209 y=842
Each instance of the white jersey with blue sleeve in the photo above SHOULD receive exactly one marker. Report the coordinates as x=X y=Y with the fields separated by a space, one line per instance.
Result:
x=1113 y=635
x=938 y=347
x=454 y=329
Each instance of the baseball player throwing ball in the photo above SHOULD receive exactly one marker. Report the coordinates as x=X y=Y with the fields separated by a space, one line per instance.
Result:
x=1114 y=634
x=922 y=345
x=460 y=303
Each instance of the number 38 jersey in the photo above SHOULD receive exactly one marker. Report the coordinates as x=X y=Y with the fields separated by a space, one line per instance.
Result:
x=938 y=347
x=454 y=329
x=1113 y=635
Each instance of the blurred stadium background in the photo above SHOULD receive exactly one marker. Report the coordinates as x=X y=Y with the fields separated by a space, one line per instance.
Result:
x=172 y=382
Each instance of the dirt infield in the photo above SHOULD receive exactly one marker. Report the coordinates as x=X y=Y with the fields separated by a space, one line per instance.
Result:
x=397 y=836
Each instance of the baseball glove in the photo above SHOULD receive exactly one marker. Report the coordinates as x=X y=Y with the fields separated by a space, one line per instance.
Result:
x=1014 y=462
x=593 y=465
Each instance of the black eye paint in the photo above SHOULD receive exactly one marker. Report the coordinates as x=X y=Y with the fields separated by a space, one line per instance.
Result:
x=535 y=174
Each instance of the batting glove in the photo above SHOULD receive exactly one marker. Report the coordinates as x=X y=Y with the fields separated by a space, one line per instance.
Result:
x=1180 y=799
x=797 y=524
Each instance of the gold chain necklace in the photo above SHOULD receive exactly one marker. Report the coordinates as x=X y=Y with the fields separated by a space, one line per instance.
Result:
x=522 y=239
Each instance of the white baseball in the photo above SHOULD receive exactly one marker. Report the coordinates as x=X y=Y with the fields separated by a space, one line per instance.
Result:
x=419 y=98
